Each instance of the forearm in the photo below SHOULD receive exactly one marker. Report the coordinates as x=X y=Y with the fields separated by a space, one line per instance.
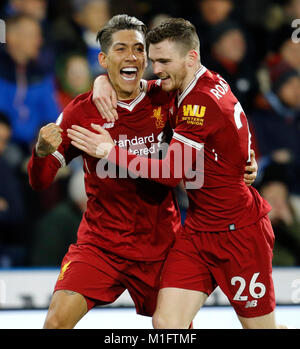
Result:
x=168 y=171
x=160 y=171
x=42 y=171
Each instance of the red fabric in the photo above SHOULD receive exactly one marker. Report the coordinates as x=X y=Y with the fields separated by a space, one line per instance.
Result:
x=240 y=260
x=132 y=218
x=102 y=277
x=208 y=114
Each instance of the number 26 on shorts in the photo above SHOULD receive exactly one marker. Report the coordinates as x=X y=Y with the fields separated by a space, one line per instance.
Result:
x=256 y=289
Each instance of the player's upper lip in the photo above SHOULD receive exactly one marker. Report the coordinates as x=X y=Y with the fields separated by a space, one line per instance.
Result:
x=164 y=77
x=129 y=69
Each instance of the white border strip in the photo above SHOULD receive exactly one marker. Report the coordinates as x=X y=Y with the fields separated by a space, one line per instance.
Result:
x=137 y=100
x=60 y=158
x=59 y=119
x=191 y=85
x=187 y=141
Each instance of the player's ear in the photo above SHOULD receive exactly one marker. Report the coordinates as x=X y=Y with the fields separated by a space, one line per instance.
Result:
x=102 y=60
x=192 y=58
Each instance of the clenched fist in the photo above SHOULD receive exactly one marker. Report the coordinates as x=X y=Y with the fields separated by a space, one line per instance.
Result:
x=49 y=140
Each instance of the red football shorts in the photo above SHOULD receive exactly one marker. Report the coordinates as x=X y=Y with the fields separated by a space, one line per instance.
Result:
x=239 y=261
x=102 y=277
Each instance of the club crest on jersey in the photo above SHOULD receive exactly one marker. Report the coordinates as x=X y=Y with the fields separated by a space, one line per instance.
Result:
x=193 y=114
x=157 y=114
x=63 y=270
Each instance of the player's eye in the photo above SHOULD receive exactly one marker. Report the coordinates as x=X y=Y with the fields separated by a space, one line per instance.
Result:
x=164 y=61
x=140 y=49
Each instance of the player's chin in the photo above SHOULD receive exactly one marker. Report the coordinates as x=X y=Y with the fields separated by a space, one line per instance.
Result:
x=129 y=81
x=166 y=85
x=129 y=85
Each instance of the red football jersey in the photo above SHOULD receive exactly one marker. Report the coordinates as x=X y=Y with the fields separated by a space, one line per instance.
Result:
x=132 y=218
x=206 y=117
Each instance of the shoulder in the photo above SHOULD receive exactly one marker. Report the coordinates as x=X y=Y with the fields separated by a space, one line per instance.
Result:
x=155 y=92
x=213 y=91
x=198 y=100
x=78 y=108
x=215 y=86
x=81 y=101
x=200 y=110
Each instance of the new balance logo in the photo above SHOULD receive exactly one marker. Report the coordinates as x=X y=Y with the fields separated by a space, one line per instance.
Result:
x=251 y=304
x=108 y=125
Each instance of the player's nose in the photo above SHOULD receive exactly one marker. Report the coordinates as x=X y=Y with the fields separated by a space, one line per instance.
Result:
x=131 y=56
x=156 y=68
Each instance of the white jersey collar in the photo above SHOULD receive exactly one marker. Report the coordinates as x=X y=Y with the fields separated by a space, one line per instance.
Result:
x=191 y=85
x=130 y=106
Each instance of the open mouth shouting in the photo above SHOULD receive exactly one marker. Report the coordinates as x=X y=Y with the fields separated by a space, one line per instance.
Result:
x=129 y=73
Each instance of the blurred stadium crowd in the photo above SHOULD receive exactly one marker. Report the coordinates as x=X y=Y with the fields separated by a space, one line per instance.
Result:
x=50 y=56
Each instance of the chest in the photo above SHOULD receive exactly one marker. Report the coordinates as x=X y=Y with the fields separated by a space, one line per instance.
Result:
x=138 y=131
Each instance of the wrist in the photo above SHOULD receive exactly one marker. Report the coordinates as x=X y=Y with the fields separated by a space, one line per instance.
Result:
x=104 y=149
x=38 y=153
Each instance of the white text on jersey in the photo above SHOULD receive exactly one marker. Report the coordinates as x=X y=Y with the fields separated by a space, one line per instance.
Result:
x=220 y=89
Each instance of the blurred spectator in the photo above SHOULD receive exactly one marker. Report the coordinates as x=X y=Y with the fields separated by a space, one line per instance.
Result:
x=55 y=231
x=280 y=15
x=280 y=46
x=208 y=14
x=38 y=10
x=283 y=48
x=11 y=206
x=154 y=22
x=34 y=8
x=290 y=53
x=284 y=217
x=230 y=59
x=215 y=11
x=78 y=32
x=276 y=123
x=27 y=94
x=146 y=10
x=73 y=77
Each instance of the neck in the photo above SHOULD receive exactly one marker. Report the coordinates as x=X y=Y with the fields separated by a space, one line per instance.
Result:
x=18 y=57
x=127 y=95
x=189 y=77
